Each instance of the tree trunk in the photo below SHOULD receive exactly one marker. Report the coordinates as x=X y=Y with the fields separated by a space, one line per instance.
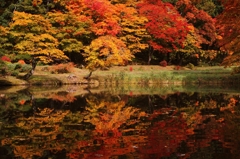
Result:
x=150 y=53
x=88 y=76
x=30 y=73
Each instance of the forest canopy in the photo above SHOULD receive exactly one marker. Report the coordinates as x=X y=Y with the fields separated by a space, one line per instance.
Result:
x=146 y=31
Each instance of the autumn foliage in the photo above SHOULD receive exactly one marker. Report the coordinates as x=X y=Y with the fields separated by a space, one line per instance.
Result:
x=106 y=51
x=5 y=58
x=106 y=126
x=62 y=68
x=204 y=24
x=165 y=24
x=163 y=63
x=62 y=30
x=228 y=30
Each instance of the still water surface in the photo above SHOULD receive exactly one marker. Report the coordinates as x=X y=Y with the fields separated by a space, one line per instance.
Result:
x=130 y=125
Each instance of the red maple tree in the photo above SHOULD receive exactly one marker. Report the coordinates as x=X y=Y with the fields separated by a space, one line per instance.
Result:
x=228 y=28
x=166 y=26
x=204 y=24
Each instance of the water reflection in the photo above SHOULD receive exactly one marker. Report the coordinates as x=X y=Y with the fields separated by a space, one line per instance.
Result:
x=106 y=125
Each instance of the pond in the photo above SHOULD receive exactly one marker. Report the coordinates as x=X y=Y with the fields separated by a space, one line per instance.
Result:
x=165 y=122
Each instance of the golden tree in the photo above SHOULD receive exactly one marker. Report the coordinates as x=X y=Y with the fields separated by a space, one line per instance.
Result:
x=70 y=30
x=133 y=31
x=33 y=35
x=106 y=51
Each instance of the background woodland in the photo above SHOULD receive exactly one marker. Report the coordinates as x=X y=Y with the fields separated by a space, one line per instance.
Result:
x=103 y=33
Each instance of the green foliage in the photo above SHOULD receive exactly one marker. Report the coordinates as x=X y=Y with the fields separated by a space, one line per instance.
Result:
x=13 y=69
x=212 y=7
x=190 y=65
x=5 y=42
x=170 y=1
x=25 y=68
x=14 y=73
x=12 y=66
x=71 y=45
x=6 y=13
x=18 y=66
x=28 y=6
x=3 y=68
x=236 y=70
x=207 y=6
x=17 y=57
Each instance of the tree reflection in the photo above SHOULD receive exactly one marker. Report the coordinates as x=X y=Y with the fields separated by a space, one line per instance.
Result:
x=108 y=127
x=107 y=137
x=165 y=136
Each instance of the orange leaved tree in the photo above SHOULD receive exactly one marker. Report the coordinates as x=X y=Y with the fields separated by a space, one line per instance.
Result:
x=229 y=30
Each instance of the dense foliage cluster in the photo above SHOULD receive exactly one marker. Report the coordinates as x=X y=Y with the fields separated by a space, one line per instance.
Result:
x=102 y=33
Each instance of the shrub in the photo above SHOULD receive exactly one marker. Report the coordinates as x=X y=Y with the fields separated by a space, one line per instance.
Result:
x=17 y=66
x=62 y=68
x=5 y=58
x=14 y=73
x=190 y=65
x=14 y=68
x=3 y=71
x=163 y=63
x=22 y=62
x=236 y=70
x=11 y=66
x=46 y=68
x=177 y=67
x=25 y=68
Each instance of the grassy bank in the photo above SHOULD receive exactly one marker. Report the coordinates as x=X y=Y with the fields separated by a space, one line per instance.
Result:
x=156 y=75
x=135 y=74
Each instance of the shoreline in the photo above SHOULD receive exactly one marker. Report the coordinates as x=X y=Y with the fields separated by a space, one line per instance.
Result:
x=133 y=74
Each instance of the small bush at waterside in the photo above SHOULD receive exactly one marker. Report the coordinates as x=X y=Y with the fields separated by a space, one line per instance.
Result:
x=13 y=69
x=163 y=63
x=5 y=58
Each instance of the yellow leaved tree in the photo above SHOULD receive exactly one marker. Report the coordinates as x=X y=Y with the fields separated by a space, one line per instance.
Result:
x=133 y=31
x=71 y=30
x=32 y=35
x=6 y=45
x=106 y=51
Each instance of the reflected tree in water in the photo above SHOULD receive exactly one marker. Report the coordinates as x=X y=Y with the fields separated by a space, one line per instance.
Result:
x=108 y=119
x=108 y=127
